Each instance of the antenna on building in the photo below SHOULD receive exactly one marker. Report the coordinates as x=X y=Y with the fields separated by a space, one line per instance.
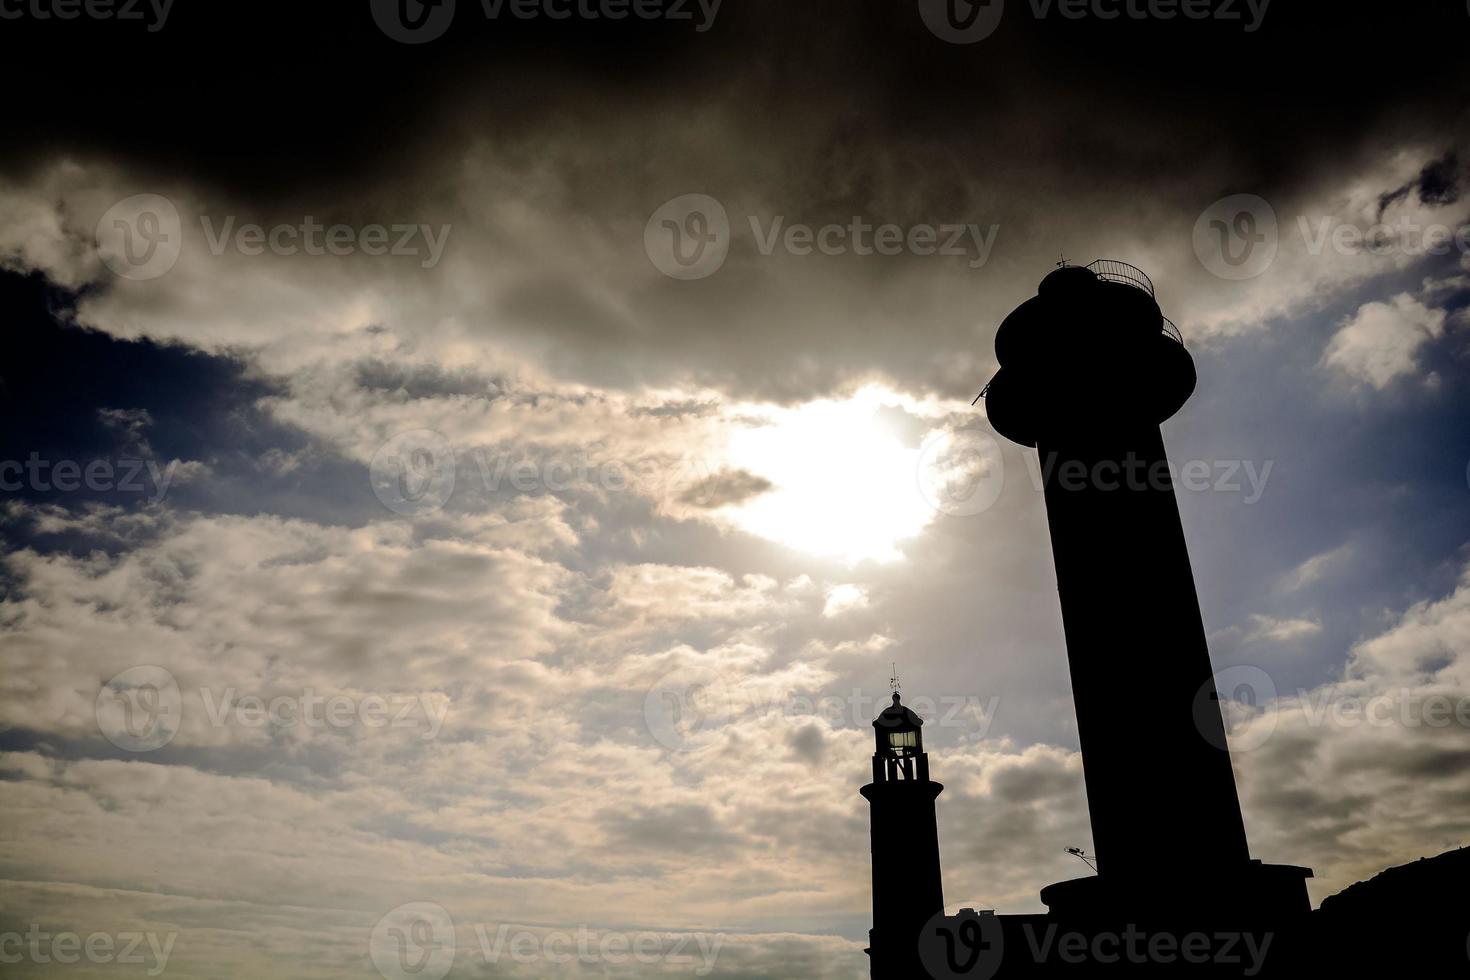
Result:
x=1077 y=853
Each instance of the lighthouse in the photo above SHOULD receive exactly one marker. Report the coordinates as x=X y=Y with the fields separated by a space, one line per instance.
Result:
x=907 y=892
x=1089 y=368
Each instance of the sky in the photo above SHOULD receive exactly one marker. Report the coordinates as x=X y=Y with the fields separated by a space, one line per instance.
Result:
x=483 y=476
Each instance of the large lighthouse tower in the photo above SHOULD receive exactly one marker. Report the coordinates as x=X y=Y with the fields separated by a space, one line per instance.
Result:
x=1089 y=368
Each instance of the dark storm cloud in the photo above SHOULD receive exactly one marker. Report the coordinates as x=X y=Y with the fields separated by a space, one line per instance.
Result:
x=1052 y=131
x=284 y=96
x=1437 y=184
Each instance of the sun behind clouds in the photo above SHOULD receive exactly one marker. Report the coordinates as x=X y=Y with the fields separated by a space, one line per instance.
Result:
x=845 y=482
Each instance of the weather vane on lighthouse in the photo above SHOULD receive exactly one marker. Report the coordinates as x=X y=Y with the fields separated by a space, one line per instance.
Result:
x=893 y=684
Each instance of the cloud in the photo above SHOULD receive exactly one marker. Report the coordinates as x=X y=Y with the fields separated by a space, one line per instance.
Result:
x=1381 y=341
x=1318 y=567
x=1369 y=770
x=506 y=815
x=725 y=488
x=841 y=598
x=809 y=744
x=1438 y=183
x=34 y=233
x=1282 y=630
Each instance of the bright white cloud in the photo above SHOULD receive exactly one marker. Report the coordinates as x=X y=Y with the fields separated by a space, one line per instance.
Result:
x=841 y=598
x=1330 y=237
x=843 y=484
x=1382 y=341
x=1282 y=630
x=1318 y=567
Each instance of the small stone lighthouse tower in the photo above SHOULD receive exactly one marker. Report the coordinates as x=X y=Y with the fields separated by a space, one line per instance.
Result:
x=907 y=891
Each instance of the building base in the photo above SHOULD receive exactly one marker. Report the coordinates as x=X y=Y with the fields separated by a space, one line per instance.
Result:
x=1254 y=892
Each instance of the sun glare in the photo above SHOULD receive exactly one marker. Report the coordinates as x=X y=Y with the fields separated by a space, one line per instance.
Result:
x=844 y=479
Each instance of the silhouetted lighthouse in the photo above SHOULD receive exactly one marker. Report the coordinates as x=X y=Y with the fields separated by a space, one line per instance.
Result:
x=907 y=891
x=1089 y=368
